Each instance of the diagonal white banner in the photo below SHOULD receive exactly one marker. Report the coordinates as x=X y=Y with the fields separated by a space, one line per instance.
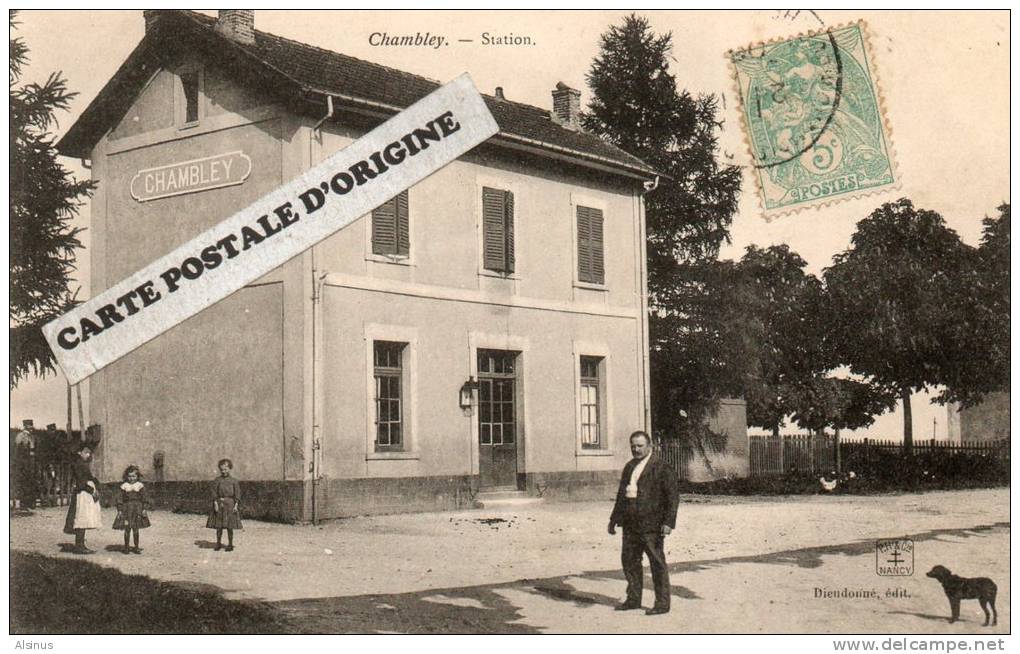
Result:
x=396 y=155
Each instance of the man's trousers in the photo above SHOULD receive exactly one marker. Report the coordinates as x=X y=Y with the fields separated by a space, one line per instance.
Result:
x=636 y=544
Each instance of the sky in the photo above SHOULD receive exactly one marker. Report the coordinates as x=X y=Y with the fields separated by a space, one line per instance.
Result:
x=944 y=78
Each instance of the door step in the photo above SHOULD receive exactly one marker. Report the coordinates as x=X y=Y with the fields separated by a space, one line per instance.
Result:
x=498 y=498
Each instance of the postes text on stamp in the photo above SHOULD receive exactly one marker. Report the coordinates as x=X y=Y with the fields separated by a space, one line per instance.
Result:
x=813 y=119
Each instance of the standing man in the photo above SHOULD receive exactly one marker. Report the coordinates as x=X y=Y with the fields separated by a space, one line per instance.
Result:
x=646 y=506
x=23 y=466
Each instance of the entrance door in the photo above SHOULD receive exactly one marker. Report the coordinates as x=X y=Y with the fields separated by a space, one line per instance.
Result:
x=497 y=418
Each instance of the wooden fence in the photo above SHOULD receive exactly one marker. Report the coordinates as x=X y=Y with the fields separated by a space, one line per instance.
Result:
x=798 y=453
x=40 y=483
x=770 y=455
x=40 y=472
x=677 y=454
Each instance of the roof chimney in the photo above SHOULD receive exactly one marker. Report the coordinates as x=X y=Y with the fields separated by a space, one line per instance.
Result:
x=237 y=25
x=499 y=93
x=566 y=107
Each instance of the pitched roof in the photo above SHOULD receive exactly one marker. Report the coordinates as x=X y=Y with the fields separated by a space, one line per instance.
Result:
x=308 y=73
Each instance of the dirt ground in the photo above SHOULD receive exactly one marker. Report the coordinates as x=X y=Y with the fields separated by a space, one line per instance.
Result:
x=738 y=565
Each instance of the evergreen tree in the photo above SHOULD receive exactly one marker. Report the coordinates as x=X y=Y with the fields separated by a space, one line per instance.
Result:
x=44 y=199
x=637 y=106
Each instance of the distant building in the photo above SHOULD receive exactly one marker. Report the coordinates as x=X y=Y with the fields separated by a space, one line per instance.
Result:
x=484 y=329
x=953 y=423
x=987 y=421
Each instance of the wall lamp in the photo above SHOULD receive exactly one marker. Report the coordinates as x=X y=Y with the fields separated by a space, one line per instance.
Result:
x=466 y=392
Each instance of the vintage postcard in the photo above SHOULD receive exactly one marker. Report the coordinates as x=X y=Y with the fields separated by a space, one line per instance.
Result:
x=510 y=322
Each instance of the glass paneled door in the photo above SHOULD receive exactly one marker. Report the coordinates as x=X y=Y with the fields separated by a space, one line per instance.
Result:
x=497 y=418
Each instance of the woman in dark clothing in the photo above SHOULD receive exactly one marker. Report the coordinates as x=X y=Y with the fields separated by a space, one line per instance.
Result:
x=226 y=493
x=83 y=509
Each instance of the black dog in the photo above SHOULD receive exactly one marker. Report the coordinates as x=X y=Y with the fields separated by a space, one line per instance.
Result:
x=957 y=588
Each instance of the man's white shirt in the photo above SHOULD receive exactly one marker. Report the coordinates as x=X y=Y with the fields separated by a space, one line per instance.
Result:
x=635 y=474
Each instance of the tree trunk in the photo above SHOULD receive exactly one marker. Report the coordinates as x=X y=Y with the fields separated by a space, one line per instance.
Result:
x=908 y=423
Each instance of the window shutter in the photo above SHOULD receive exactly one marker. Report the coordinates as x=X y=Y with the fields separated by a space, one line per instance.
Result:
x=590 y=246
x=403 y=229
x=598 y=265
x=508 y=225
x=384 y=228
x=584 y=245
x=493 y=237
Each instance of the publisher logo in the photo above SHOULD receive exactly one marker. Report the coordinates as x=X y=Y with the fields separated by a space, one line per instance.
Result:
x=894 y=557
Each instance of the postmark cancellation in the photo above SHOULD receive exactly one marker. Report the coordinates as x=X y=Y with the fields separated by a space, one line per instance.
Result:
x=813 y=119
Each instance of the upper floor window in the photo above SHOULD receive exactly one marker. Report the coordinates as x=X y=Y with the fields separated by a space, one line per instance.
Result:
x=191 y=81
x=390 y=229
x=590 y=247
x=497 y=230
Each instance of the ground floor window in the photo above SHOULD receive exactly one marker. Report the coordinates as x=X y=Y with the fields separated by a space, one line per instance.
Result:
x=389 y=395
x=591 y=400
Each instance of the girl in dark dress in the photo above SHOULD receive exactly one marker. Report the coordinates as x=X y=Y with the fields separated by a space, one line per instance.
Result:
x=226 y=493
x=132 y=507
x=83 y=509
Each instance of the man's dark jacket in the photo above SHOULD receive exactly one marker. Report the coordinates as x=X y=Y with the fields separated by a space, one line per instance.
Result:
x=657 y=500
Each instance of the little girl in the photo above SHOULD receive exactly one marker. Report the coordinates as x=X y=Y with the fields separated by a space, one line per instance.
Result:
x=226 y=493
x=132 y=505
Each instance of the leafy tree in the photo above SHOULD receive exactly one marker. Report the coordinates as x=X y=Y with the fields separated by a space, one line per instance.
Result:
x=983 y=333
x=840 y=404
x=44 y=199
x=637 y=106
x=783 y=301
x=895 y=301
x=993 y=264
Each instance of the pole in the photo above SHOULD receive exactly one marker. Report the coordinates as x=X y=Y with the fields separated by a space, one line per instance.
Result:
x=81 y=412
x=839 y=460
x=69 y=411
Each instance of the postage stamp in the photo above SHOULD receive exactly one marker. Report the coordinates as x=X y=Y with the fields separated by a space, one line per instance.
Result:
x=813 y=119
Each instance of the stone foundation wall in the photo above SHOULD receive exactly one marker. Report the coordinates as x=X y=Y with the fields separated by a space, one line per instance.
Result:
x=274 y=501
x=291 y=501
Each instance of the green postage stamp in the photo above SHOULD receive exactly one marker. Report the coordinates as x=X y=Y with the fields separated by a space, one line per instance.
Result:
x=813 y=119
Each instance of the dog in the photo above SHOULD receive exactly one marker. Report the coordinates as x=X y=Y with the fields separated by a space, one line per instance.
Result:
x=957 y=588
